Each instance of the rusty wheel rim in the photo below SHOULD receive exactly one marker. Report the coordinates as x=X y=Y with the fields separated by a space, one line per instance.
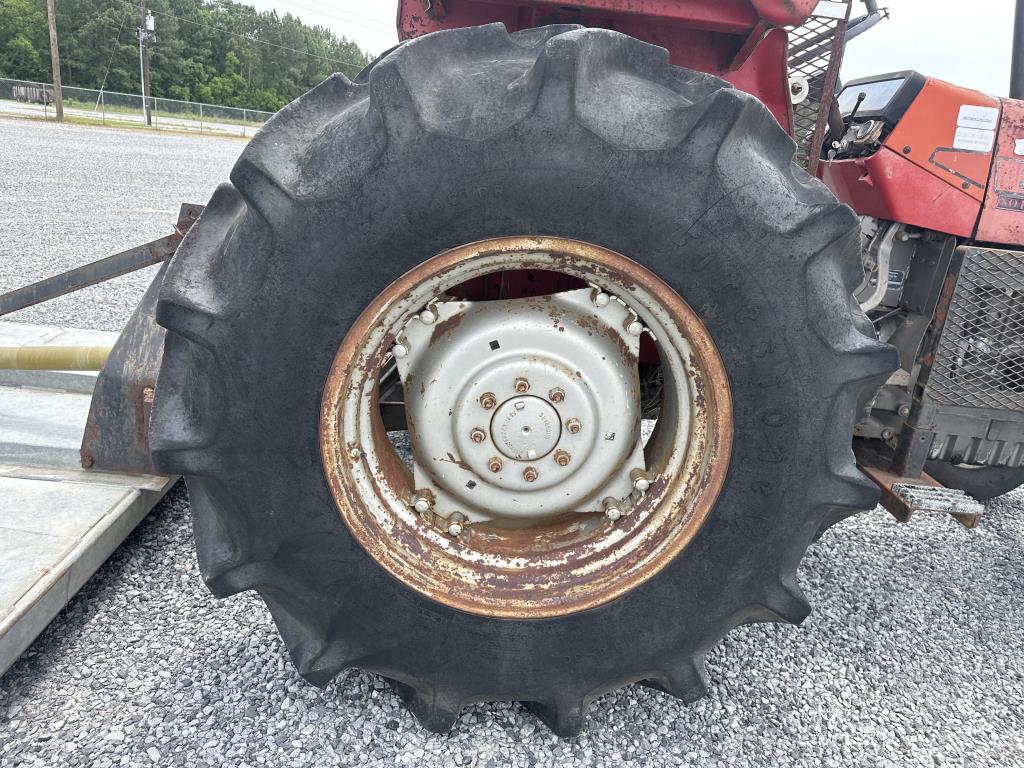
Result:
x=565 y=564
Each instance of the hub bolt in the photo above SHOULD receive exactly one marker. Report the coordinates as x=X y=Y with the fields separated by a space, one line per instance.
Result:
x=641 y=480
x=522 y=385
x=574 y=426
x=601 y=298
x=421 y=503
x=612 y=508
x=427 y=317
x=488 y=400
x=477 y=435
x=494 y=464
x=400 y=350
x=530 y=474
x=556 y=395
x=904 y=410
x=562 y=458
x=634 y=328
x=887 y=434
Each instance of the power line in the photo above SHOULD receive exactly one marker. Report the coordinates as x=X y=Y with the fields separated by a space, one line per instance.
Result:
x=252 y=40
x=341 y=16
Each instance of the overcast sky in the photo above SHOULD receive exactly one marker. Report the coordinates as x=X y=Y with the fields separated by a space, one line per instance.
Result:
x=964 y=41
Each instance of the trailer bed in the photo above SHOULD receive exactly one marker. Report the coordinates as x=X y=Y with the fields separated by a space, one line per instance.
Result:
x=58 y=522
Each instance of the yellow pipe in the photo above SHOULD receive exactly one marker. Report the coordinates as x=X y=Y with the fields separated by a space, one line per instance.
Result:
x=53 y=358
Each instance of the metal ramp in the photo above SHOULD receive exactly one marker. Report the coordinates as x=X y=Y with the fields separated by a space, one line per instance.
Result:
x=58 y=522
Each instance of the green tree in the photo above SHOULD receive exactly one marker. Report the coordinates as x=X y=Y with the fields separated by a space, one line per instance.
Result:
x=215 y=51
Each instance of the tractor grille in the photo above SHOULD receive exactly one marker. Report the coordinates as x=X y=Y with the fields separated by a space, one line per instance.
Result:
x=980 y=359
x=811 y=50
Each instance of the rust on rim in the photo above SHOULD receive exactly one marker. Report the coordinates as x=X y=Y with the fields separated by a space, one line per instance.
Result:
x=561 y=565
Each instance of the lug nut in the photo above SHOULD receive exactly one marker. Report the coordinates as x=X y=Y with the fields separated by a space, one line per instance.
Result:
x=488 y=400
x=494 y=464
x=530 y=474
x=601 y=298
x=562 y=458
x=421 y=503
x=427 y=316
x=887 y=434
x=904 y=410
x=574 y=426
x=522 y=385
x=556 y=395
x=477 y=435
x=399 y=350
x=634 y=328
x=641 y=480
x=612 y=508
x=456 y=524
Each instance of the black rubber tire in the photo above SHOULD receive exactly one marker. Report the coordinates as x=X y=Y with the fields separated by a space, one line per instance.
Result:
x=471 y=134
x=983 y=483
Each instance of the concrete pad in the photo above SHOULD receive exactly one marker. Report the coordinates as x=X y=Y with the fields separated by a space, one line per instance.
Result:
x=58 y=522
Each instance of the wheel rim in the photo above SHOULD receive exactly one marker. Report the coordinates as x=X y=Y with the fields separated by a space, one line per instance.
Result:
x=584 y=529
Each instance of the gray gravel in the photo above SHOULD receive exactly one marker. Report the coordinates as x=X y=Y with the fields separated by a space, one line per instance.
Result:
x=913 y=656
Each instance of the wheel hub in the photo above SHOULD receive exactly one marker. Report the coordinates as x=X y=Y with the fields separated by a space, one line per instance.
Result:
x=525 y=408
x=525 y=428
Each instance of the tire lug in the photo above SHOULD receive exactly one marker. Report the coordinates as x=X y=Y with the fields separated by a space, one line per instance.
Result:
x=530 y=474
x=400 y=349
x=421 y=502
x=488 y=400
x=556 y=395
x=428 y=316
x=612 y=508
x=641 y=480
x=562 y=458
x=574 y=426
x=494 y=464
x=521 y=385
x=456 y=524
x=600 y=298
x=477 y=435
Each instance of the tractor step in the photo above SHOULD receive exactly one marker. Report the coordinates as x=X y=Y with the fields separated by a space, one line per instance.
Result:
x=905 y=496
x=926 y=498
x=60 y=522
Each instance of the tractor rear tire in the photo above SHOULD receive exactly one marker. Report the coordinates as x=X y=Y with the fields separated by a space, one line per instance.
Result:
x=983 y=483
x=472 y=134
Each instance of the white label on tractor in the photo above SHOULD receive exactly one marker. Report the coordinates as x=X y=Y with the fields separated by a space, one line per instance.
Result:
x=985 y=118
x=974 y=140
x=831 y=8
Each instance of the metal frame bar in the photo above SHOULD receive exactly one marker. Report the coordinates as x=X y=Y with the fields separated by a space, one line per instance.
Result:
x=105 y=269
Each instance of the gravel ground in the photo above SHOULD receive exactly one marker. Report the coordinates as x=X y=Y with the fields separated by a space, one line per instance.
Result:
x=913 y=656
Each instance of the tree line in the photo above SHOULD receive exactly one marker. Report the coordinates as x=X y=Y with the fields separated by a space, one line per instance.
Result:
x=214 y=51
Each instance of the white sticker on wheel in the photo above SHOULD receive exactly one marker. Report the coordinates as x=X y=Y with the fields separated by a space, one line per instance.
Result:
x=984 y=118
x=974 y=140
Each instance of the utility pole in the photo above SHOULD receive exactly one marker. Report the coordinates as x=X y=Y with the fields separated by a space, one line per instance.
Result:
x=58 y=96
x=146 y=27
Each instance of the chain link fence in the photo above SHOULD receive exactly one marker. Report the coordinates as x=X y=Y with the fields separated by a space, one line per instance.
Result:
x=25 y=98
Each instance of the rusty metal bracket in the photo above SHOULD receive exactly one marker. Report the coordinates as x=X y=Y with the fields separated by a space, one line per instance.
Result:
x=117 y=432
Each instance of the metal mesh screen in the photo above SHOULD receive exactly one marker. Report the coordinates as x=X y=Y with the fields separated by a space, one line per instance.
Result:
x=810 y=52
x=980 y=359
